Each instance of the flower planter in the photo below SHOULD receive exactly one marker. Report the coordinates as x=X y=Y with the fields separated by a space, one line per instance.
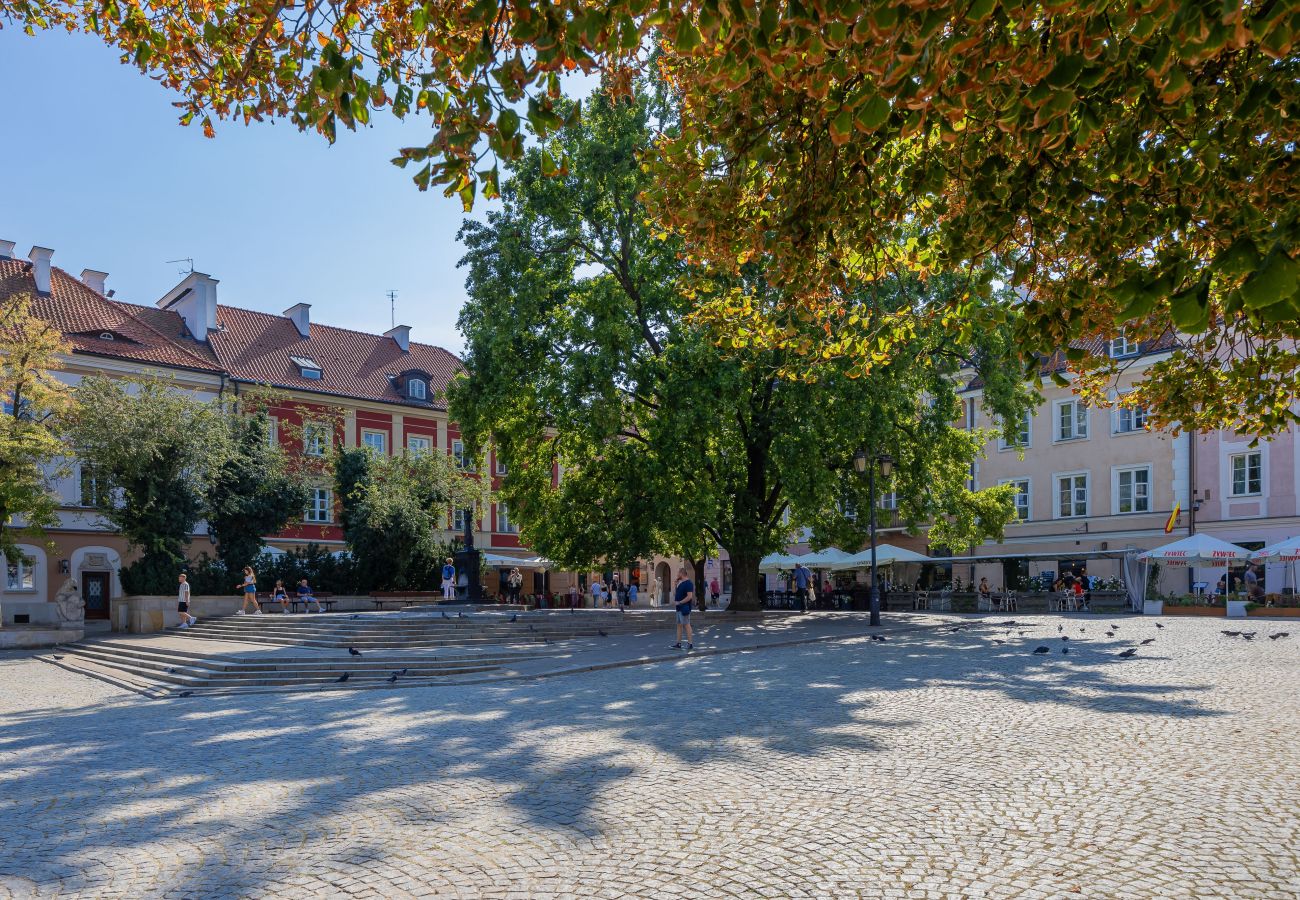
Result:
x=1153 y=607
x=1236 y=609
x=1171 y=610
x=1286 y=612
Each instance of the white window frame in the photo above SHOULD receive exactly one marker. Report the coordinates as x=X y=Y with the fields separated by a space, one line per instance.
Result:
x=411 y=389
x=1057 y=478
x=1028 y=432
x=458 y=453
x=425 y=440
x=20 y=576
x=1232 y=474
x=84 y=474
x=272 y=431
x=888 y=501
x=318 y=512
x=500 y=466
x=1028 y=494
x=1137 y=419
x=504 y=525
x=315 y=438
x=1076 y=420
x=1117 y=500
x=381 y=446
x=1121 y=346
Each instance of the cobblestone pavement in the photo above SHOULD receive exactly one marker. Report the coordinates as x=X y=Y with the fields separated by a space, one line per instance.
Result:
x=934 y=764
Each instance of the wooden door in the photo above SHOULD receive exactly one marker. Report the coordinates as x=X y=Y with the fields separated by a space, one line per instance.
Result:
x=94 y=590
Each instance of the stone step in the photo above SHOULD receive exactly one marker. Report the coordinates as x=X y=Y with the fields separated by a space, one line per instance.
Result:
x=162 y=665
x=170 y=654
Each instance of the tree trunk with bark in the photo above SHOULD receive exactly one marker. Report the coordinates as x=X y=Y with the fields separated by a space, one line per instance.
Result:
x=746 y=593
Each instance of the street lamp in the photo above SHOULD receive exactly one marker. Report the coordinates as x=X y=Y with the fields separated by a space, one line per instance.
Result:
x=885 y=463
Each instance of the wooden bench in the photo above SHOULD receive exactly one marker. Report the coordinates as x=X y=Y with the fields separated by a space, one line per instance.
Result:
x=322 y=598
x=401 y=598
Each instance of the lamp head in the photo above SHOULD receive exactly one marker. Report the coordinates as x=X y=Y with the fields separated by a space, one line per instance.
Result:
x=886 y=464
x=860 y=461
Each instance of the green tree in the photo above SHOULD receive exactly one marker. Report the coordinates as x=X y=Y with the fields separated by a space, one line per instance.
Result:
x=253 y=492
x=31 y=400
x=1130 y=164
x=583 y=356
x=395 y=513
x=157 y=448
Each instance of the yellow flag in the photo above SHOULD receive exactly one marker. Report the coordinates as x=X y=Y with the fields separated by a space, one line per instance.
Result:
x=1173 y=518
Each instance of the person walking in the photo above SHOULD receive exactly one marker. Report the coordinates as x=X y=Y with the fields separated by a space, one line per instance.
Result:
x=715 y=590
x=449 y=580
x=307 y=597
x=615 y=594
x=183 y=603
x=249 y=588
x=656 y=591
x=801 y=579
x=514 y=581
x=281 y=596
x=631 y=594
x=683 y=598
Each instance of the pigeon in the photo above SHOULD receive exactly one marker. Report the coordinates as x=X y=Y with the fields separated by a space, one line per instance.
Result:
x=1248 y=635
x=1082 y=630
x=1042 y=650
x=1008 y=624
x=877 y=637
x=1065 y=637
x=1065 y=649
x=342 y=678
x=1060 y=628
x=530 y=627
x=354 y=617
x=1158 y=625
x=404 y=671
x=1131 y=651
x=603 y=632
x=170 y=669
x=1021 y=633
x=515 y=617
x=1231 y=633
x=998 y=642
x=392 y=678
x=1271 y=637
x=56 y=656
x=353 y=651
x=1148 y=641
x=185 y=694
x=1110 y=634
x=1114 y=628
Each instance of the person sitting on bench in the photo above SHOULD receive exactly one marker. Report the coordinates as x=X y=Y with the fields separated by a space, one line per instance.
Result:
x=305 y=595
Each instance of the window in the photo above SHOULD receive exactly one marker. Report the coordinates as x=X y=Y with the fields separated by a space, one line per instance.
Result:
x=889 y=501
x=1072 y=496
x=1021 y=498
x=463 y=460
x=375 y=440
x=1130 y=419
x=1021 y=436
x=320 y=508
x=1247 y=473
x=91 y=493
x=849 y=509
x=1133 y=490
x=19 y=576
x=504 y=525
x=501 y=467
x=307 y=367
x=272 y=431
x=459 y=517
x=418 y=446
x=1122 y=346
x=314 y=439
x=1071 y=420
x=416 y=389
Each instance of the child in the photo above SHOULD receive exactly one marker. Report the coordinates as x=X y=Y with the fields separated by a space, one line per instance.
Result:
x=183 y=603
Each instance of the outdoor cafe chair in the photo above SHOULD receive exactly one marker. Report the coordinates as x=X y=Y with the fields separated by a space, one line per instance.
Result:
x=921 y=600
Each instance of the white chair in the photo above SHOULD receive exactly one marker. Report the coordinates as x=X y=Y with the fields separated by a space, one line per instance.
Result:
x=922 y=600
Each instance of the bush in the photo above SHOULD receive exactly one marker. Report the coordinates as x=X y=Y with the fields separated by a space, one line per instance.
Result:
x=333 y=575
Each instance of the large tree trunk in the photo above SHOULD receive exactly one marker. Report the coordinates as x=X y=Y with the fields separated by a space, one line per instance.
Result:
x=746 y=593
x=701 y=589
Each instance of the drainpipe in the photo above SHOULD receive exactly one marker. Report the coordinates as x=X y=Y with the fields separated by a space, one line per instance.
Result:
x=1191 y=497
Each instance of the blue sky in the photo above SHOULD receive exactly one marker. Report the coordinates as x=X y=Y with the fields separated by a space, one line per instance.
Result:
x=96 y=167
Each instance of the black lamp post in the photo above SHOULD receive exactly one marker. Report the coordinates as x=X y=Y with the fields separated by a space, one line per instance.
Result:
x=886 y=464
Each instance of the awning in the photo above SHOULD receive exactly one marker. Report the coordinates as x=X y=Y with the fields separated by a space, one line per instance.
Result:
x=777 y=562
x=885 y=554
x=501 y=561
x=1287 y=551
x=1197 y=550
x=823 y=559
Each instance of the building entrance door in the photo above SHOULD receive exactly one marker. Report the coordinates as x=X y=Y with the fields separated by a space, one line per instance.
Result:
x=94 y=590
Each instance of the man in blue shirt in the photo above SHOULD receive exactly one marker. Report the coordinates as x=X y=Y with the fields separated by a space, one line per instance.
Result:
x=801 y=579
x=683 y=597
x=449 y=580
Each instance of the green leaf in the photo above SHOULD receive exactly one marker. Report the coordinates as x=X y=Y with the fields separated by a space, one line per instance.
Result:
x=980 y=10
x=508 y=123
x=872 y=114
x=1190 y=310
x=688 y=36
x=1273 y=282
x=1065 y=72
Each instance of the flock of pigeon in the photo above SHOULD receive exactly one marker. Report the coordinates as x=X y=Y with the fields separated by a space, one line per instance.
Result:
x=1111 y=629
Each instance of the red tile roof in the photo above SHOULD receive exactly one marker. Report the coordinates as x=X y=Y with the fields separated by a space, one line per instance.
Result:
x=257 y=347
x=1095 y=346
x=83 y=315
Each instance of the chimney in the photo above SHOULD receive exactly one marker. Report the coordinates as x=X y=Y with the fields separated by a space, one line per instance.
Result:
x=300 y=315
x=401 y=334
x=6 y=249
x=40 y=257
x=94 y=280
x=195 y=300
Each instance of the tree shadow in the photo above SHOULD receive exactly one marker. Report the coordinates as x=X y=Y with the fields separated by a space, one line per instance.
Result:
x=246 y=775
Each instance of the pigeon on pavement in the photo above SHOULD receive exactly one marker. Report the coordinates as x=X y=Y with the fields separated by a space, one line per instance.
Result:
x=1231 y=633
x=353 y=651
x=996 y=641
x=1043 y=649
x=1158 y=625
x=515 y=617
x=1271 y=637
x=1148 y=641
x=1131 y=651
x=603 y=632
x=56 y=656
x=1060 y=628
x=185 y=694
x=1065 y=637
x=1065 y=649
x=392 y=678
x=342 y=678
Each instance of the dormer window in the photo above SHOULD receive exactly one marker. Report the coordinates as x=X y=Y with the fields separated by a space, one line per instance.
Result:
x=307 y=367
x=107 y=336
x=1121 y=346
x=416 y=389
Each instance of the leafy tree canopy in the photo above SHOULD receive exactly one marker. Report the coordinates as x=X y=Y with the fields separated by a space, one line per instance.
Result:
x=31 y=400
x=1127 y=164
x=583 y=360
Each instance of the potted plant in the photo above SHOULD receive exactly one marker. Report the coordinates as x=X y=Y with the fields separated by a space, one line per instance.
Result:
x=1153 y=604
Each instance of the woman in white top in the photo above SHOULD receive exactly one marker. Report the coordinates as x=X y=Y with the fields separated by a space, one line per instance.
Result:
x=249 y=588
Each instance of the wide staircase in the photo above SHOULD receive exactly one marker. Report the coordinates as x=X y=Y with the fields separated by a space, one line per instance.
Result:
x=256 y=652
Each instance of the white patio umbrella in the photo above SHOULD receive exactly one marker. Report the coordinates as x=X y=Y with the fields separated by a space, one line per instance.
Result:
x=273 y=552
x=885 y=554
x=501 y=561
x=1197 y=550
x=823 y=559
x=1287 y=551
x=777 y=562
